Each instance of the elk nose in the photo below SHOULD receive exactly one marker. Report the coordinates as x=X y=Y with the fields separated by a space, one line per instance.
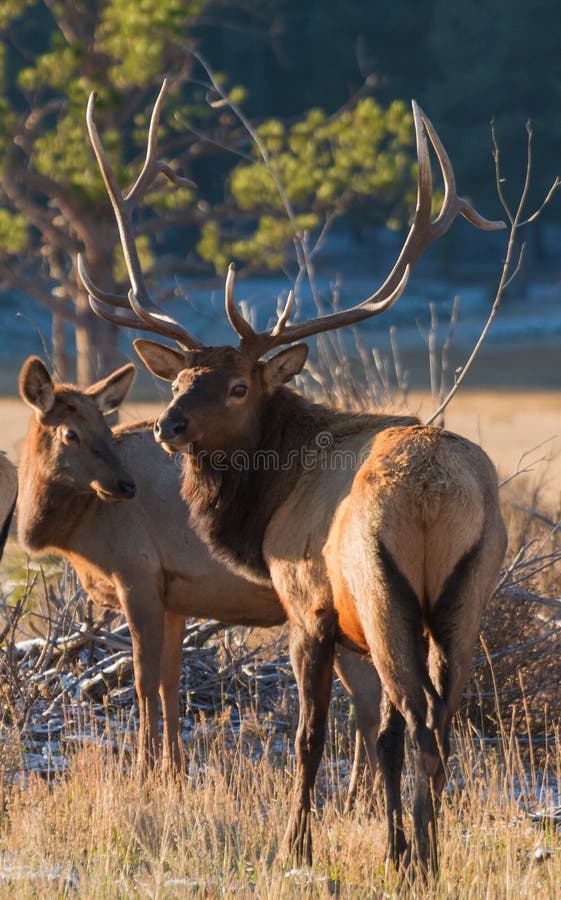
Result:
x=166 y=430
x=127 y=488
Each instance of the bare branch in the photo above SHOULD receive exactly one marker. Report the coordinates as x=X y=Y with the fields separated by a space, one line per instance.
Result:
x=31 y=287
x=509 y=270
x=37 y=215
x=422 y=233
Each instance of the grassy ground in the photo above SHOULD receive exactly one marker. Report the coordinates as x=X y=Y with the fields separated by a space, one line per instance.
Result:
x=100 y=832
x=97 y=831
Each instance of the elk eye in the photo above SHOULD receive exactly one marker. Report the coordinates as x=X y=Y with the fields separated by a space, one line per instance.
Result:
x=69 y=436
x=239 y=390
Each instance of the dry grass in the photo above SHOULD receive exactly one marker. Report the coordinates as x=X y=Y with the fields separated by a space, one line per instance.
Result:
x=96 y=831
x=521 y=627
x=99 y=832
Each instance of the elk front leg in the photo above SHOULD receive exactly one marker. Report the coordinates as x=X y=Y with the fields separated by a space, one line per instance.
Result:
x=173 y=758
x=312 y=660
x=362 y=684
x=145 y=618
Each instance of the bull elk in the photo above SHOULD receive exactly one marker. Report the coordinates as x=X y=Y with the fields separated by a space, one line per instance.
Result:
x=140 y=556
x=394 y=556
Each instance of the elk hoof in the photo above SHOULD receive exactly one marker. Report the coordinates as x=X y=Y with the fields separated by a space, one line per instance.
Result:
x=297 y=842
x=398 y=851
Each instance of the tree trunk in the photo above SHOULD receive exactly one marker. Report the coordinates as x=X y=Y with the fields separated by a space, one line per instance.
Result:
x=60 y=356
x=96 y=344
x=96 y=339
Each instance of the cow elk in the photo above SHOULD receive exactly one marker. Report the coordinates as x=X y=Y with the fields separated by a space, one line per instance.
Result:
x=8 y=496
x=395 y=556
x=140 y=556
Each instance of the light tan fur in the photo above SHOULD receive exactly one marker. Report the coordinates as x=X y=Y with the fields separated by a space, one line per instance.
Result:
x=395 y=554
x=8 y=494
x=141 y=555
x=404 y=550
x=429 y=497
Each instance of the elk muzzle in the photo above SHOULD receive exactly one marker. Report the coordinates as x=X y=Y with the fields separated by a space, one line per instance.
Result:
x=170 y=429
x=122 y=489
x=111 y=481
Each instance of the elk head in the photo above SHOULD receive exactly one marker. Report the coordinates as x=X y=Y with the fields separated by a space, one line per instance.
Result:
x=218 y=392
x=70 y=434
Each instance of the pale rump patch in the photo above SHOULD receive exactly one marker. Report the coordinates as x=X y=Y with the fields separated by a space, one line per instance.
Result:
x=421 y=493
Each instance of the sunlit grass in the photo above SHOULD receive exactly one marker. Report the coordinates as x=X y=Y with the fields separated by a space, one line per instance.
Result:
x=99 y=831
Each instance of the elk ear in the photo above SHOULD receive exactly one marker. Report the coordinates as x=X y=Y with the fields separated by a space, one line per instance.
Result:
x=36 y=386
x=285 y=365
x=162 y=361
x=109 y=393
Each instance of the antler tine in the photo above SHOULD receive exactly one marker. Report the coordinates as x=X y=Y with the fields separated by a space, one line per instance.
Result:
x=422 y=233
x=125 y=318
x=240 y=325
x=254 y=344
x=109 y=298
x=119 y=309
x=284 y=316
x=152 y=166
x=452 y=204
x=142 y=304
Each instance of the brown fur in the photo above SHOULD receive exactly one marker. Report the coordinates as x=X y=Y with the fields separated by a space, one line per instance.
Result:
x=338 y=548
x=8 y=494
x=141 y=556
x=403 y=546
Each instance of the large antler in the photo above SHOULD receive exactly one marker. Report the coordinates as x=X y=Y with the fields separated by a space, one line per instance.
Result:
x=422 y=233
x=138 y=310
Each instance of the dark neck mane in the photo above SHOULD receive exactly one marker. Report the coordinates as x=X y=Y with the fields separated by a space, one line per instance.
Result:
x=232 y=507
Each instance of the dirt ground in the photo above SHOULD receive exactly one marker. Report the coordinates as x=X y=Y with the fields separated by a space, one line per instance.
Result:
x=521 y=430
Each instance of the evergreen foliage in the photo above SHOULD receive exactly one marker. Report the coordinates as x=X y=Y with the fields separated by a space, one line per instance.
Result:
x=329 y=85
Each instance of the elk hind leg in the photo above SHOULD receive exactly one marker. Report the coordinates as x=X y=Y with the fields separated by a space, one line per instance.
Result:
x=454 y=627
x=394 y=627
x=362 y=684
x=391 y=755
